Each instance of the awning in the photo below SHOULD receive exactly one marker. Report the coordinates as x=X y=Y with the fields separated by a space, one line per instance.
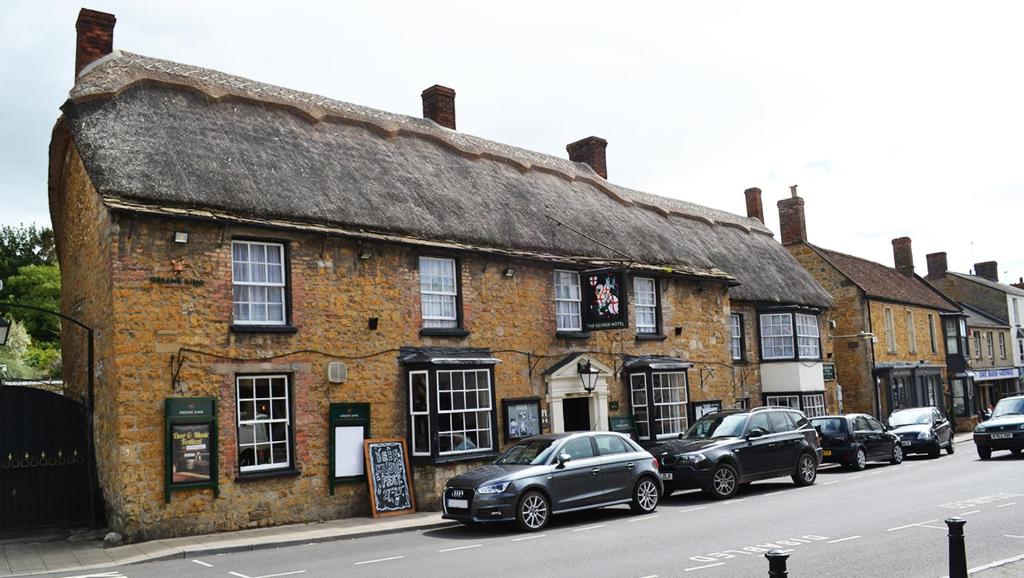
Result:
x=447 y=356
x=656 y=362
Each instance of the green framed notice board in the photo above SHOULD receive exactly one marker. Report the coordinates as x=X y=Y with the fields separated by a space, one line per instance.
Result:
x=349 y=426
x=190 y=444
x=624 y=424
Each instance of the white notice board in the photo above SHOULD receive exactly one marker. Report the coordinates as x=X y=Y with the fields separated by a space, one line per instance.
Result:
x=348 y=451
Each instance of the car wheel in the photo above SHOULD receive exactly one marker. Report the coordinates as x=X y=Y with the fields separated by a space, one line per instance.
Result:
x=860 y=461
x=533 y=511
x=645 y=497
x=806 y=470
x=934 y=452
x=950 y=448
x=724 y=482
x=897 y=454
x=984 y=452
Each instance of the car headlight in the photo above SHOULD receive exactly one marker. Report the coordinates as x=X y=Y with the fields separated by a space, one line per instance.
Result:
x=979 y=429
x=692 y=458
x=494 y=488
x=925 y=435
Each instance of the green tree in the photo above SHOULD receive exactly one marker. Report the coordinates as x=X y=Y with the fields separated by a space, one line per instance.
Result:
x=25 y=245
x=12 y=354
x=38 y=286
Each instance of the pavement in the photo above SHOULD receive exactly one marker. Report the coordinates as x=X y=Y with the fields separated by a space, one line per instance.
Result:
x=28 y=557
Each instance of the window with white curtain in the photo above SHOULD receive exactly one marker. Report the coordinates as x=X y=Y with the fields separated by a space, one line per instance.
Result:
x=567 y=301
x=439 y=292
x=645 y=304
x=736 y=336
x=807 y=336
x=777 y=336
x=258 y=283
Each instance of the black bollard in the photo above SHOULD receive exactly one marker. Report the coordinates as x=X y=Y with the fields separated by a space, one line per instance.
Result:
x=777 y=564
x=957 y=552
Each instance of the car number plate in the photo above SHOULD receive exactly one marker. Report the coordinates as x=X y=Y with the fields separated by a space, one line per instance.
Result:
x=907 y=443
x=666 y=475
x=1002 y=436
x=826 y=453
x=463 y=504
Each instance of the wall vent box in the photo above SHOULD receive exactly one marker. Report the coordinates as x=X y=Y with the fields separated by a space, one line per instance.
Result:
x=337 y=372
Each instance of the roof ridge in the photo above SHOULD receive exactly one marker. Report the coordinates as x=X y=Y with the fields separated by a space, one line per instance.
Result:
x=121 y=69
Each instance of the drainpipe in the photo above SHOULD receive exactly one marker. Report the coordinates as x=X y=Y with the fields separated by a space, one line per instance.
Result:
x=875 y=385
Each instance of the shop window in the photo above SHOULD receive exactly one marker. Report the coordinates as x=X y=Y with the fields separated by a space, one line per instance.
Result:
x=567 y=301
x=439 y=293
x=258 y=283
x=790 y=336
x=645 y=303
x=911 y=333
x=814 y=404
x=659 y=403
x=890 y=331
x=736 y=336
x=960 y=402
x=451 y=413
x=264 y=423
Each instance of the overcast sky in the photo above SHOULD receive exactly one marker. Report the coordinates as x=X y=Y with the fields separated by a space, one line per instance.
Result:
x=895 y=118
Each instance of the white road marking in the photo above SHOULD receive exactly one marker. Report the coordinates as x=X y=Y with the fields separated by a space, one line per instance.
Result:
x=651 y=576
x=995 y=564
x=692 y=509
x=461 y=548
x=968 y=513
x=775 y=493
x=703 y=567
x=735 y=501
x=201 y=563
x=830 y=483
x=1012 y=536
x=878 y=472
x=377 y=560
x=910 y=525
x=240 y=575
x=855 y=477
x=644 y=518
x=114 y=574
x=1006 y=505
x=589 y=528
x=533 y=537
x=842 y=540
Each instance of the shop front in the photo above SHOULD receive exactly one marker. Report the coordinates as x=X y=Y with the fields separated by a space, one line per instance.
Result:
x=991 y=385
x=911 y=385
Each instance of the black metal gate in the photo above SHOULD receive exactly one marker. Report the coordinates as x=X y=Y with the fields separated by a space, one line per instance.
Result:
x=44 y=479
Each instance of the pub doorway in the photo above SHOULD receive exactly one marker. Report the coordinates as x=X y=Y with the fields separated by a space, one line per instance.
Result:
x=576 y=413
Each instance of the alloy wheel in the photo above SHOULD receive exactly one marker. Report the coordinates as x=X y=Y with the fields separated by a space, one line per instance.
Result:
x=647 y=495
x=534 y=511
x=808 y=470
x=724 y=481
x=897 y=454
x=862 y=460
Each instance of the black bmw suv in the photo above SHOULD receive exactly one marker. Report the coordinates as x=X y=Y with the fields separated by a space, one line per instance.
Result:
x=728 y=448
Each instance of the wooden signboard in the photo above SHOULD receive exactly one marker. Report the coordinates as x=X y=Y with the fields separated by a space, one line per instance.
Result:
x=190 y=445
x=389 y=477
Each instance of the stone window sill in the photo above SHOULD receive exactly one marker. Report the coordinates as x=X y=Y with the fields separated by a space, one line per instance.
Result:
x=443 y=332
x=264 y=328
x=267 y=475
x=580 y=335
x=650 y=337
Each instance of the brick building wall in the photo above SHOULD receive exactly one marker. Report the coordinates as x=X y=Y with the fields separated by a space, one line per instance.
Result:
x=145 y=325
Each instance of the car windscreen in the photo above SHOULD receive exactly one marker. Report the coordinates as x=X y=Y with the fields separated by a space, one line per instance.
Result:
x=918 y=415
x=527 y=453
x=830 y=425
x=1009 y=407
x=717 y=426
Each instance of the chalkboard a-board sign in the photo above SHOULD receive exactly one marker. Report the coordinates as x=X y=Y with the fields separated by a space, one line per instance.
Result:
x=387 y=466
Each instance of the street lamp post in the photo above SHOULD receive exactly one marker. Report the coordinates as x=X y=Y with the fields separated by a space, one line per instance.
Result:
x=90 y=391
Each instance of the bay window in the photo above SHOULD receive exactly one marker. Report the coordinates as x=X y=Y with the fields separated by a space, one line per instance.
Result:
x=789 y=335
x=659 y=396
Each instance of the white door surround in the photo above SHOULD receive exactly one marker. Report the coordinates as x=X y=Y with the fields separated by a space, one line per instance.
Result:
x=565 y=382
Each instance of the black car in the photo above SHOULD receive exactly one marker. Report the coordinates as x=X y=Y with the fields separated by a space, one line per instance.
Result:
x=922 y=430
x=725 y=449
x=855 y=439
x=1004 y=430
x=554 y=473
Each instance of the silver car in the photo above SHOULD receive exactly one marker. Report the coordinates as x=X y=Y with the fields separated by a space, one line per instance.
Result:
x=554 y=473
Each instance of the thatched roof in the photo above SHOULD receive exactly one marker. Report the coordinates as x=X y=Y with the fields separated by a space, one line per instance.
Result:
x=163 y=137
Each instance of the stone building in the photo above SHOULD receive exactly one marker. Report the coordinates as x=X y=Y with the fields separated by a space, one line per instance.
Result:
x=998 y=302
x=278 y=252
x=888 y=341
x=991 y=362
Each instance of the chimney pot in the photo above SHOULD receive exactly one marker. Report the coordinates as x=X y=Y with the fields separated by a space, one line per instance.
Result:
x=937 y=265
x=792 y=223
x=439 y=105
x=590 y=150
x=754 y=207
x=987 y=270
x=95 y=37
x=903 y=255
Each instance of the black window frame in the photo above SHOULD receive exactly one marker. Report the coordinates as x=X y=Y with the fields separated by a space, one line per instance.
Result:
x=460 y=328
x=291 y=468
x=659 y=331
x=652 y=421
x=435 y=457
x=743 y=337
x=792 y=312
x=286 y=255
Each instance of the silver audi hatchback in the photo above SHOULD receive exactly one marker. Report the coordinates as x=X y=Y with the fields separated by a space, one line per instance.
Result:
x=554 y=473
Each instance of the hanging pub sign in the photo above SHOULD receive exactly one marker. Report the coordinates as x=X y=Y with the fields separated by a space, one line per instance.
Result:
x=190 y=444
x=349 y=426
x=604 y=299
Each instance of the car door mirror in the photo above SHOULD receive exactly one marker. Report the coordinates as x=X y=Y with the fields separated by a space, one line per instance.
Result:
x=563 y=459
x=756 y=432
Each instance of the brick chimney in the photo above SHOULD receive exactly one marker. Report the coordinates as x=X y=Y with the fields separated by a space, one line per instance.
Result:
x=590 y=150
x=987 y=270
x=754 y=208
x=1019 y=284
x=903 y=256
x=792 y=224
x=937 y=266
x=439 y=105
x=95 y=37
